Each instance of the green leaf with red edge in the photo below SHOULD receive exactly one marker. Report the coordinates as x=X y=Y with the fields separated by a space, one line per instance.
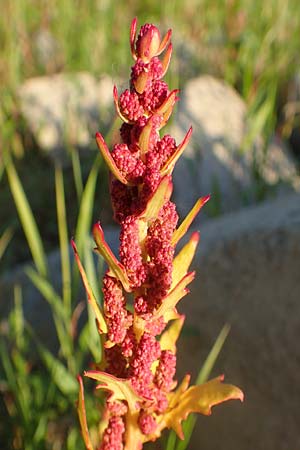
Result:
x=115 y=266
x=184 y=226
x=169 y=337
x=170 y=301
x=102 y=327
x=120 y=388
x=200 y=399
x=169 y=165
x=109 y=159
x=158 y=199
x=183 y=260
x=82 y=416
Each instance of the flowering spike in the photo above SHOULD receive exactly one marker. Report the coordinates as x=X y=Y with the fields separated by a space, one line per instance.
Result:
x=108 y=158
x=169 y=166
x=102 y=327
x=105 y=251
x=139 y=345
x=132 y=37
x=166 y=59
x=184 y=226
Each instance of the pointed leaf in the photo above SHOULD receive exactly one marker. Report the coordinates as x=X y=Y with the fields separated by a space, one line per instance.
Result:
x=115 y=266
x=109 y=159
x=132 y=37
x=116 y=101
x=82 y=416
x=168 y=103
x=164 y=42
x=184 y=226
x=169 y=166
x=200 y=399
x=144 y=137
x=158 y=199
x=120 y=389
x=26 y=217
x=175 y=396
x=102 y=327
x=166 y=59
x=169 y=337
x=184 y=258
x=5 y=240
x=171 y=300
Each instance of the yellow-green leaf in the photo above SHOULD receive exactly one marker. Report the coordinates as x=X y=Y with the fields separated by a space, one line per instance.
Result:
x=200 y=399
x=170 y=301
x=169 y=165
x=102 y=327
x=169 y=337
x=109 y=159
x=120 y=388
x=115 y=266
x=183 y=260
x=82 y=416
x=158 y=199
x=184 y=226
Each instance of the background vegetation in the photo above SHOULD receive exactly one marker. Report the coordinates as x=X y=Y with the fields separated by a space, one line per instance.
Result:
x=253 y=45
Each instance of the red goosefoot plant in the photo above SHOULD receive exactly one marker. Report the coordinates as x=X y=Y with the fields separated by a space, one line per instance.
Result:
x=139 y=324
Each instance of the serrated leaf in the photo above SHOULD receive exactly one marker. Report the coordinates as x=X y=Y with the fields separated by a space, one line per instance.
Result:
x=200 y=399
x=120 y=388
x=102 y=327
x=115 y=266
x=184 y=226
x=183 y=260
x=169 y=337
x=82 y=416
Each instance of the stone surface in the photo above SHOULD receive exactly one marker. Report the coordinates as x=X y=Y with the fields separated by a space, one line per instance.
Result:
x=66 y=109
x=248 y=276
x=214 y=162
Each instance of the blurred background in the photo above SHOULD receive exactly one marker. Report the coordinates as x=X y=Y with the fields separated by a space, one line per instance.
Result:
x=237 y=63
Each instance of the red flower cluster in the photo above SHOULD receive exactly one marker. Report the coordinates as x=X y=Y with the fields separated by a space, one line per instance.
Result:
x=138 y=368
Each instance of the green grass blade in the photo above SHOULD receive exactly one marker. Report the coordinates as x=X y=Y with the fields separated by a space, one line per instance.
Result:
x=77 y=173
x=5 y=240
x=48 y=292
x=86 y=207
x=63 y=379
x=63 y=238
x=26 y=217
